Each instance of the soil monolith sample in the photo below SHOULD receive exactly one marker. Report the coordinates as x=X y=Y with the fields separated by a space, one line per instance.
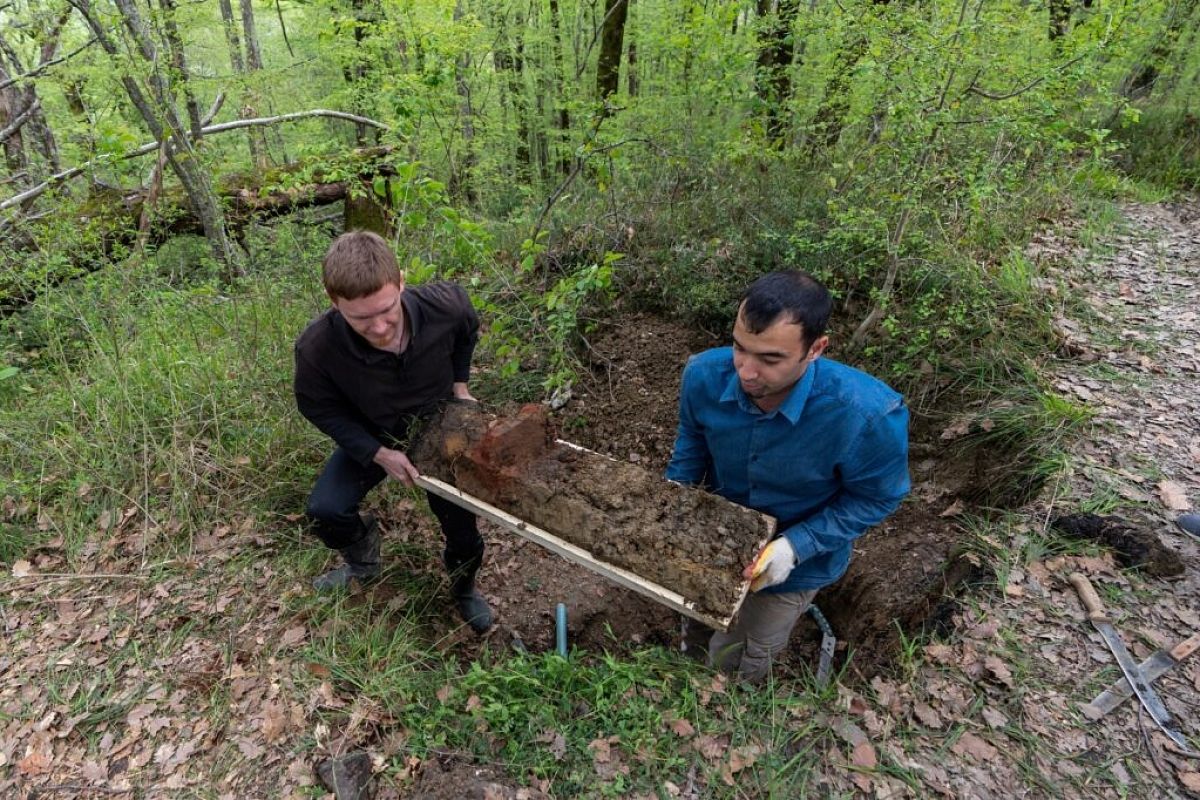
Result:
x=682 y=539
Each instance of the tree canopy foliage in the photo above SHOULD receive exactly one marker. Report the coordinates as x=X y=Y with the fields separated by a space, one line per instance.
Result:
x=869 y=139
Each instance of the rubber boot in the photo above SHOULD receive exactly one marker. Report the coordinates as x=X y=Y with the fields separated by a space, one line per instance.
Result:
x=471 y=605
x=361 y=559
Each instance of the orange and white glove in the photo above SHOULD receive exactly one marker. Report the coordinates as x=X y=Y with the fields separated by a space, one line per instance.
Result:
x=773 y=564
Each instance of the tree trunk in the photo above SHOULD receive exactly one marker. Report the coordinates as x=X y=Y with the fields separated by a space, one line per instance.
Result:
x=283 y=29
x=254 y=63
x=232 y=38
x=44 y=139
x=112 y=218
x=21 y=107
x=564 y=114
x=509 y=56
x=73 y=92
x=1144 y=75
x=155 y=146
x=631 y=67
x=1060 y=18
x=830 y=117
x=13 y=115
x=158 y=112
x=366 y=13
x=612 y=42
x=234 y=42
x=461 y=183
x=772 y=78
x=179 y=64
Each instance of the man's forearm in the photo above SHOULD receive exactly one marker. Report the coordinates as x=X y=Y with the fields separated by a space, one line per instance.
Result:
x=838 y=524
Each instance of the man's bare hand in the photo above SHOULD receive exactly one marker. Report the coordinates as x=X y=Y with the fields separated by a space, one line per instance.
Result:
x=461 y=392
x=396 y=464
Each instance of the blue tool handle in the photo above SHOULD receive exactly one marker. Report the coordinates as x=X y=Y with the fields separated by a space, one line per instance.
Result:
x=560 y=627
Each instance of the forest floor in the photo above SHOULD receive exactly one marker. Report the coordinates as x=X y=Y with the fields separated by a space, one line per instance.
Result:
x=115 y=694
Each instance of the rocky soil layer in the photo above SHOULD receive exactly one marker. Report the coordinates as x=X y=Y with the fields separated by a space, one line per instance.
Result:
x=682 y=539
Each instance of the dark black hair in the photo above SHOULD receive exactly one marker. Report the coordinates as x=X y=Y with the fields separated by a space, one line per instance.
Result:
x=794 y=295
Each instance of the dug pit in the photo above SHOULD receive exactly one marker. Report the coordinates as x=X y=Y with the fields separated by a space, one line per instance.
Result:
x=904 y=573
x=902 y=580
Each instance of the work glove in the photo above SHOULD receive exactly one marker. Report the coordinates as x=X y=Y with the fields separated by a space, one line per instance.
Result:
x=773 y=565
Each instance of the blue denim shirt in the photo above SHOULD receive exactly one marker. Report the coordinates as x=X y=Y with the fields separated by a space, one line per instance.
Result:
x=829 y=463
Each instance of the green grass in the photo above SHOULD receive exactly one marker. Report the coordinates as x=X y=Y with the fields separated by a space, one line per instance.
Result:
x=173 y=401
x=540 y=716
x=1100 y=218
x=1105 y=500
x=155 y=404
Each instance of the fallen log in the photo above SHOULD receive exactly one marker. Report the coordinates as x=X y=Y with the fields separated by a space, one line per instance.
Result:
x=677 y=545
x=108 y=220
x=150 y=147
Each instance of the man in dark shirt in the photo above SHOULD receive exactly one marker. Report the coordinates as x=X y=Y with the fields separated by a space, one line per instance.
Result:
x=365 y=371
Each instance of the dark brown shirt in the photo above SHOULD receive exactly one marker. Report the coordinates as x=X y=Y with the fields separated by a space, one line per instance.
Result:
x=361 y=396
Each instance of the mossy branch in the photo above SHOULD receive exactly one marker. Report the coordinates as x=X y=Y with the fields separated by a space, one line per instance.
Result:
x=150 y=147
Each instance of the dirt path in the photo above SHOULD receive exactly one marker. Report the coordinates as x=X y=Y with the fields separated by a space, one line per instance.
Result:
x=1026 y=659
x=184 y=676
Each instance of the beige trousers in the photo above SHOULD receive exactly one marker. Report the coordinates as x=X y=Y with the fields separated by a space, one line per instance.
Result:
x=758 y=634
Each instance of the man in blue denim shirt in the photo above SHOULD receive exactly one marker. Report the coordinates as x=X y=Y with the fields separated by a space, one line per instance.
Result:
x=820 y=446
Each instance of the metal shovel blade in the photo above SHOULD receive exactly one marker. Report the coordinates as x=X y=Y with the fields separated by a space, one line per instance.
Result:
x=828 y=645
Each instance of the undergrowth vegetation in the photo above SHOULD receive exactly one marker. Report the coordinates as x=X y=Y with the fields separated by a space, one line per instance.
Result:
x=915 y=152
x=637 y=719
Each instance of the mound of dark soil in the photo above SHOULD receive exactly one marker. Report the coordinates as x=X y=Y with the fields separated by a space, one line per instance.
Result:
x=1131 y=546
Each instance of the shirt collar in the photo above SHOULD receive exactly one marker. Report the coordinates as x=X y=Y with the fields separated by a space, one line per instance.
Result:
x=412 y=314
x=792 y=408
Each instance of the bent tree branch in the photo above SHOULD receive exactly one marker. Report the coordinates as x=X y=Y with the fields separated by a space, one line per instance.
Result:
x=33 y=73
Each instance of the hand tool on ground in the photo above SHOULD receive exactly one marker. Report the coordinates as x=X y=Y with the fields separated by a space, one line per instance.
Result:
x=1141 y=687
x=1152 y=669
x=828 y=644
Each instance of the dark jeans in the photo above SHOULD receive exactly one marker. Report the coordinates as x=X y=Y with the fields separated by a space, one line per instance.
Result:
x=333 y=509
